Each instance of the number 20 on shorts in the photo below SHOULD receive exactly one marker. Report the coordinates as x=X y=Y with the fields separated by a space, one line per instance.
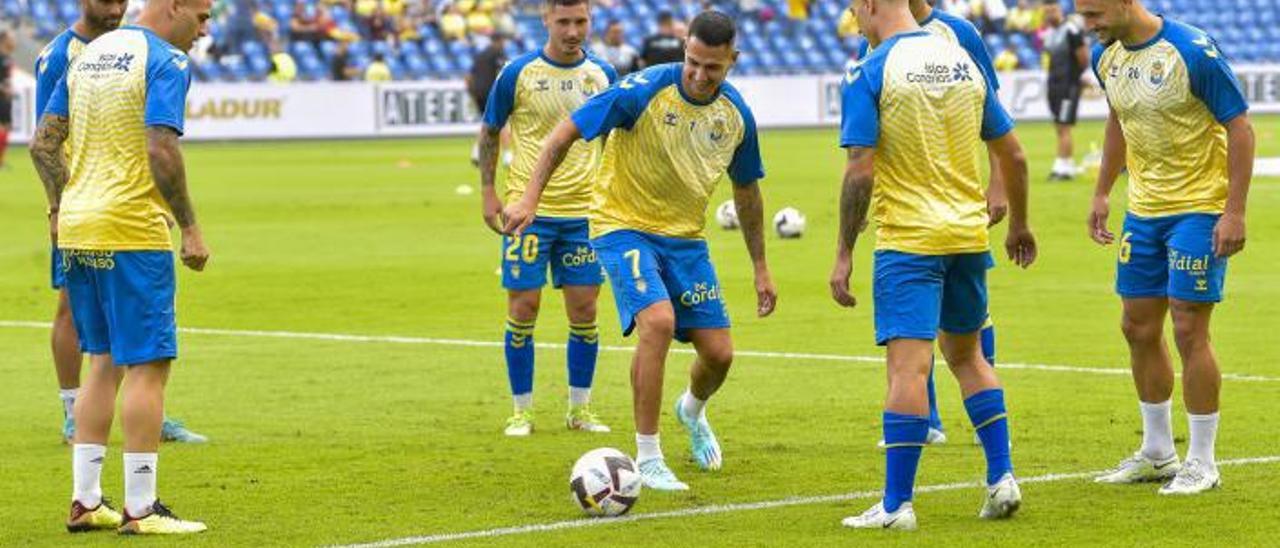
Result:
x=524 y=248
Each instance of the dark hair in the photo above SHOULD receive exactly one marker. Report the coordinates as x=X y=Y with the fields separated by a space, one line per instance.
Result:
x=713 y=28
x=553 y=3
x=665 y=17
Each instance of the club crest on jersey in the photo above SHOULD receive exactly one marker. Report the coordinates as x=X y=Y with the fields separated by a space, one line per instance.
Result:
x=718 y=130
x=1156 y=74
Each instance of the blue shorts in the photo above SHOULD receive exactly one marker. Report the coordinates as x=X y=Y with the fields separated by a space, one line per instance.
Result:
x=57 y=270
x=564 y=244
x=916 y=295
x=646 y=269
x=1170 y=257
x=122 y=303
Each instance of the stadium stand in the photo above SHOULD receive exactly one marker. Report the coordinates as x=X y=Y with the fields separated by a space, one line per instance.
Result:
x=437 y=39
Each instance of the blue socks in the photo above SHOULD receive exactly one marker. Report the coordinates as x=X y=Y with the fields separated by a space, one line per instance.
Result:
x=519 y=351
x=584 y=347
x=904 y=438
x=987 y=412
x=988 y=338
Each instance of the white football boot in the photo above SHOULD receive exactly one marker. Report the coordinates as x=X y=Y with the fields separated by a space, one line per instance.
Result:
x=876 y=518
x=1139 y=469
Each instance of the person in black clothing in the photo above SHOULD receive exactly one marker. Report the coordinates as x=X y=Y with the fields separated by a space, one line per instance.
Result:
x=484 y=72
x=340 y=69
x=663 y=47
x=1068 y=59
x=7 y=45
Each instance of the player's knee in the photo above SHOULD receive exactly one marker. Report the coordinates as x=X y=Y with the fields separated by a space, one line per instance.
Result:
x=1141 y=331
x=523 y=307
x=62 y=319
x=719 y=358
x=582 y=312
x=657 y=323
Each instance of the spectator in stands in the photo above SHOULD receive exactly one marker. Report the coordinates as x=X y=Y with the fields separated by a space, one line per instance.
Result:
x=378 y=70
x=485 y=68
x=239 y=27
x=340 y=69
x=1006 y=60
x=380 y=26
x=283 y=68
x=264 y=25
x=304 y=26
x=663 y=47
x=1020 y=18
x=614 y=49
x=479 y=23
x=994 y=16
x=847 y=26
x=453 y=25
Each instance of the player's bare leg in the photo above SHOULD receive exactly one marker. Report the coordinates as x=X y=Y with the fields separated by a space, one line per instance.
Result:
x=142 y=417
x=522 y=316
x=1201 y=386
x=655 y=329
x=906 y=428
x=67 y=361
x=1064 y=167
x=94 y=410
x=984 y=401
x=1157 y=459
x=706 y=376
x=583 y=348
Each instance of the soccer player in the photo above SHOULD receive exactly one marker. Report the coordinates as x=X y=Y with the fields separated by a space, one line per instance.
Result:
x=1179 y=123
x=97 y=17
x=913 y=113
x=113 y=192
x=534 y=93
x=1068 y=59
x=676 y=129
x=960 y=32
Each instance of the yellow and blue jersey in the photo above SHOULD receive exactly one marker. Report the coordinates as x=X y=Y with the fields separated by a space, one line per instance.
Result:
x=924 y=106
x=52 y=65
x=121 y=84
x=1172 y=96
x=666 y=152
x=532 y=95
x=958 y=31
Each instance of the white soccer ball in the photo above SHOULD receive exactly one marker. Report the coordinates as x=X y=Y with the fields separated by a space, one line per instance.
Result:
x=789 y=223
x=605 y=482
x=727 y=216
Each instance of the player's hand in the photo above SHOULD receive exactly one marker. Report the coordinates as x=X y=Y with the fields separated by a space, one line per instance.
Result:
x=996 y=211
x=194 y=252
x=1021 y=245
x=517 y=217
x=766 y=293
x=491 y=209
x=1228 y=235
x=840 y=280
x=1098 y=221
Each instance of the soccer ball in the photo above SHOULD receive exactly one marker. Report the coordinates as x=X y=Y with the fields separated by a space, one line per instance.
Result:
x=727 y=216
x=605 y=482
x=789 y=223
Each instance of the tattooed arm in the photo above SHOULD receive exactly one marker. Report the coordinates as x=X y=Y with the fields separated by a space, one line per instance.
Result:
x=51 y=165
x=855 y=199
x=489 y=144
x=750 y=205
x=170 y=174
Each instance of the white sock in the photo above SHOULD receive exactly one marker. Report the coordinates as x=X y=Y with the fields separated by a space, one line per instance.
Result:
x=86 y=473
x=68 y=396
x=1057 y=166
x=692 y=406
x=648 y=447
x=1157 y=430
x=579 y=397
x=1204 y=432
x=139 y=482
x=523 y=402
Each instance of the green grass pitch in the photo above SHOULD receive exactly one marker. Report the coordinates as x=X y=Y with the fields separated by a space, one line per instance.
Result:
x=333 y=441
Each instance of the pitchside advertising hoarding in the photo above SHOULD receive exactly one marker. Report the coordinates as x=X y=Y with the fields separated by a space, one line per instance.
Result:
x=420 y=109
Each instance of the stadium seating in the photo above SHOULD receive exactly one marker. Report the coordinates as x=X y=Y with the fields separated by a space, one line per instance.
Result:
x=1248 y=31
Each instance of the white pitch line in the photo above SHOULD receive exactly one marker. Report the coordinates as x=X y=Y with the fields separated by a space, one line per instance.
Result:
x=731 y=508
x=799 y=356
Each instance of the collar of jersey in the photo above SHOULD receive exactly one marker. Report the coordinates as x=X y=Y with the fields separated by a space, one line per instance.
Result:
x=900 y=35
x=542 y=54
x=689 y=98
x=76 y=35
x=933 y=14
x=1164 y=25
